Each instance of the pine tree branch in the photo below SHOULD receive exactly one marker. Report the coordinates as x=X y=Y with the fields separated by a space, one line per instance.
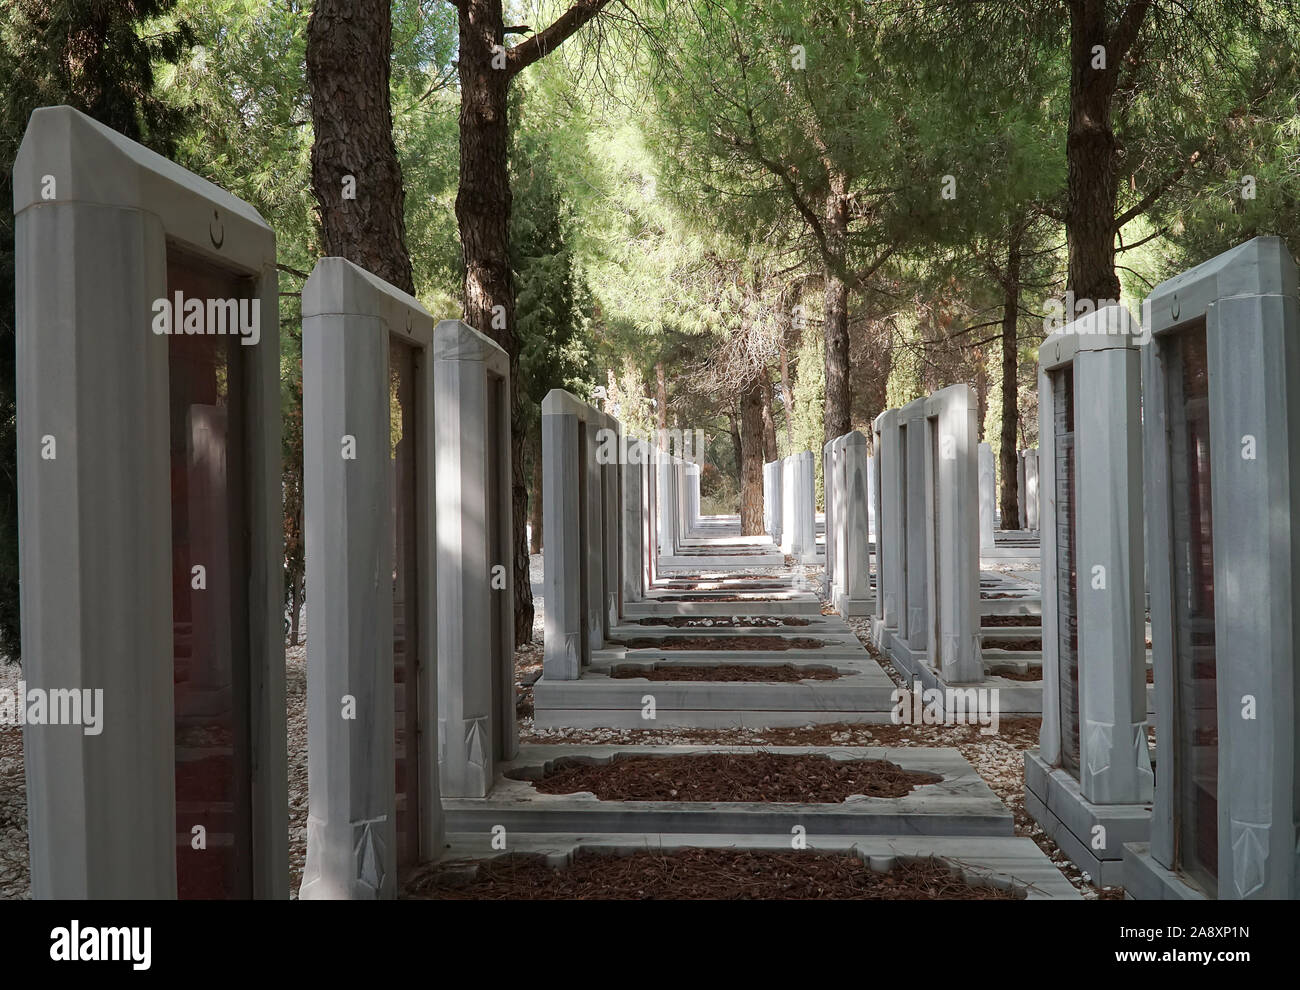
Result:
x=555 y=34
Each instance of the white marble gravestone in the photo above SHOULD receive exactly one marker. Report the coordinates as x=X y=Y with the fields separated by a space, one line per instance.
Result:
x=872 y=500
x=610 y=454
x=372 y=557
x=635 y=551
x=476 y=668
x=574 y=515
x=832 y=496
x=891 y=557
x=1090 y=782
x=951 y=498
x=851 y=582
x=798 y=503
x=150 y=522
x=772 y=500
x=988 y=496
x=1221 y=425
x=914 y=629
x=1029 y=492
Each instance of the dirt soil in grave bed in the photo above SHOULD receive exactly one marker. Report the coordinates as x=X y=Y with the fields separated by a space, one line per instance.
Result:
x=783 y=673
x=711 y=598
x=727 y=586
x=993 y=643
x=761 y=776
x=1011 y=620
x=778 y=643
x=718 y=621
x=1016 y=675
x=698 y=874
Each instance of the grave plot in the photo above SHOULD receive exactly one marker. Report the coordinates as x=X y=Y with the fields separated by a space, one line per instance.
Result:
x=652 y=676
x=151 y=558
x=747 y=867
x=725 y=790
x=1090 y=782
x=1220 y=426
x=620 y=689
x=373 y=645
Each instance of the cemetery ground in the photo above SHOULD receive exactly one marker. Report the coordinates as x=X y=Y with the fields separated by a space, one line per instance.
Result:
x=698 y=874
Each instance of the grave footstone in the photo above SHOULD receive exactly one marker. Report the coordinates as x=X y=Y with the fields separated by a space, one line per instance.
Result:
x=150 y=552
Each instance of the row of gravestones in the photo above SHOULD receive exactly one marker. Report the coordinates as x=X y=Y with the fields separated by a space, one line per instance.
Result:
x=151 y=526
x=612 y=506
x=1026 y=485
x=1183 y=428
x=790 y=505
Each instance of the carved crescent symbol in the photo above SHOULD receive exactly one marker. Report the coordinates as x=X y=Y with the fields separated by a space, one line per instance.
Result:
x=217 y=238
x=1176 y=306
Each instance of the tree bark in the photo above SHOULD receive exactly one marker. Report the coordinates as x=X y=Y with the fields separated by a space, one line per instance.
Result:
x=1092 y=153
x=349 y=46
x=769 y=424
x=1010 y=384
x=733 y=424
x=752 y=401
x=483 y=205
x=837 y=410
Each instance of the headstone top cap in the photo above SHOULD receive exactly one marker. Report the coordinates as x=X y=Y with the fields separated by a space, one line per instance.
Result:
x=93 y=164
x=1109 y=328
x=1261 y=266
x=456 y=340
x=559 y=402
x=338 y=287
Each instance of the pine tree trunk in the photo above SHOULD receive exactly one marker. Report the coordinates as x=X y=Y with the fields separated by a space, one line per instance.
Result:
x=1010 y=385
x=348 y=55
x=1091 y=160
x=752 y=401
x=737 y=451
x=769 y=424
x=483 y=204
x=837 y=412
